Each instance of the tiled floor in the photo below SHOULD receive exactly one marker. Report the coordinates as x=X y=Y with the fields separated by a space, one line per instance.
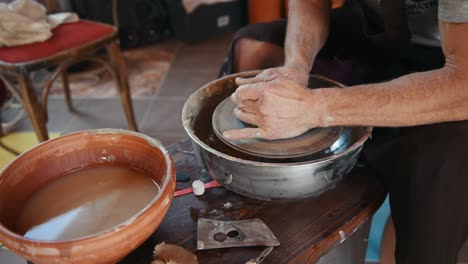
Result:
x=158 y=116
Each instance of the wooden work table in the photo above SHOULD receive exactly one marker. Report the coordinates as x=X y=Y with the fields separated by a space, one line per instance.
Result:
x=321 y=229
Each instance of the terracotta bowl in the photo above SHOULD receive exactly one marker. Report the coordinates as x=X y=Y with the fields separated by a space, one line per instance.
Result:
x=54 y=158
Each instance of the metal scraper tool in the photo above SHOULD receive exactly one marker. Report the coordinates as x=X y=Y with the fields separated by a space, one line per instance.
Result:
x=243 y=233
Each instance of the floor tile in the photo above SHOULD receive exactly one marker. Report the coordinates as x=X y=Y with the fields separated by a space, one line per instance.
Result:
x=206 y=56
x=184 y=83
x=164 y=117
x=104 y=113
x=58 y=117
x=200 y=60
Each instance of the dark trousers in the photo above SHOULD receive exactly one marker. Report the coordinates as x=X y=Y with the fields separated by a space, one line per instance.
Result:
x=424 y=168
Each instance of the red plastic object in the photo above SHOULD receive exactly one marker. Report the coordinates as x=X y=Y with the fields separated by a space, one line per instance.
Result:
x=211 y=184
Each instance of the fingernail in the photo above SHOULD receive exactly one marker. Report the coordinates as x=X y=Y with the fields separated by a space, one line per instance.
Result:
x=226 y=135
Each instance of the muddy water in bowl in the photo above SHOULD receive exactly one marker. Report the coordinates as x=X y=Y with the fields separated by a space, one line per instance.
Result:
x=85 y=202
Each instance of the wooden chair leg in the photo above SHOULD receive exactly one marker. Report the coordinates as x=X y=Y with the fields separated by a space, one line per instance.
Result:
x=32 y=107
x=120 y=68
x=66 y=89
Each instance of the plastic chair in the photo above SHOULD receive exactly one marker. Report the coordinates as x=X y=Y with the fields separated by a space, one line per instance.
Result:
x=70 y=43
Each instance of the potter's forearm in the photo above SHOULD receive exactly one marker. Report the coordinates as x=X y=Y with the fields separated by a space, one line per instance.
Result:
x=419 y=98
x=307 y=31
x=415 y=99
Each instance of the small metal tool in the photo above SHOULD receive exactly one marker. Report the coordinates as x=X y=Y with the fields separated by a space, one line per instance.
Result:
x=223 y=234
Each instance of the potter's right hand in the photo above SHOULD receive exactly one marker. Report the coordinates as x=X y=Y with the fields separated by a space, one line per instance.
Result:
x=280 y=108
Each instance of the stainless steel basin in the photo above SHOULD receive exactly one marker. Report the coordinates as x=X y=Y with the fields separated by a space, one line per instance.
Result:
x=264 y=178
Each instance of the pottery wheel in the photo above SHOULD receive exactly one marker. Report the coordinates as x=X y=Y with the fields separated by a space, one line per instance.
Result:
x=313 y=141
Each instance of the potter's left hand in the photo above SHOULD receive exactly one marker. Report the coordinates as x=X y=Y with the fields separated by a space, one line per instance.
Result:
x=280 y=108
x=296 y=74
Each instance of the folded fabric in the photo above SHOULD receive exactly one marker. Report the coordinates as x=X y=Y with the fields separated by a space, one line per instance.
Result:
x=190 y=5
x=26 y=21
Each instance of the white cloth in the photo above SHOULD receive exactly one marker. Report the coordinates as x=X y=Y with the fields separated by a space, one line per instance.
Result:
x=26 y=21
x=190 y=5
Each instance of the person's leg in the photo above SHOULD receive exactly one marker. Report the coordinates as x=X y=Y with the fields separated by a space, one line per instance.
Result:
x=251 y=54
x=346 y=56
x=425 y=171
x=254 y=47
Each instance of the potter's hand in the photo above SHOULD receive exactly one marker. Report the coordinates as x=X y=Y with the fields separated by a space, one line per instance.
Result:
x=296 y=74
x=280 y=108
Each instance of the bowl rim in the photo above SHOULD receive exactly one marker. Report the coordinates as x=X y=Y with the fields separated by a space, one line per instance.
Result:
x=107 y=232
x=186 y=122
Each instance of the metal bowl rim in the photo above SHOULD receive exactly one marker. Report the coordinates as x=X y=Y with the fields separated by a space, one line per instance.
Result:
x=186 y=123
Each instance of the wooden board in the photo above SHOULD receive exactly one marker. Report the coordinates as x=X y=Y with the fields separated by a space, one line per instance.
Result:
x=307 y=228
